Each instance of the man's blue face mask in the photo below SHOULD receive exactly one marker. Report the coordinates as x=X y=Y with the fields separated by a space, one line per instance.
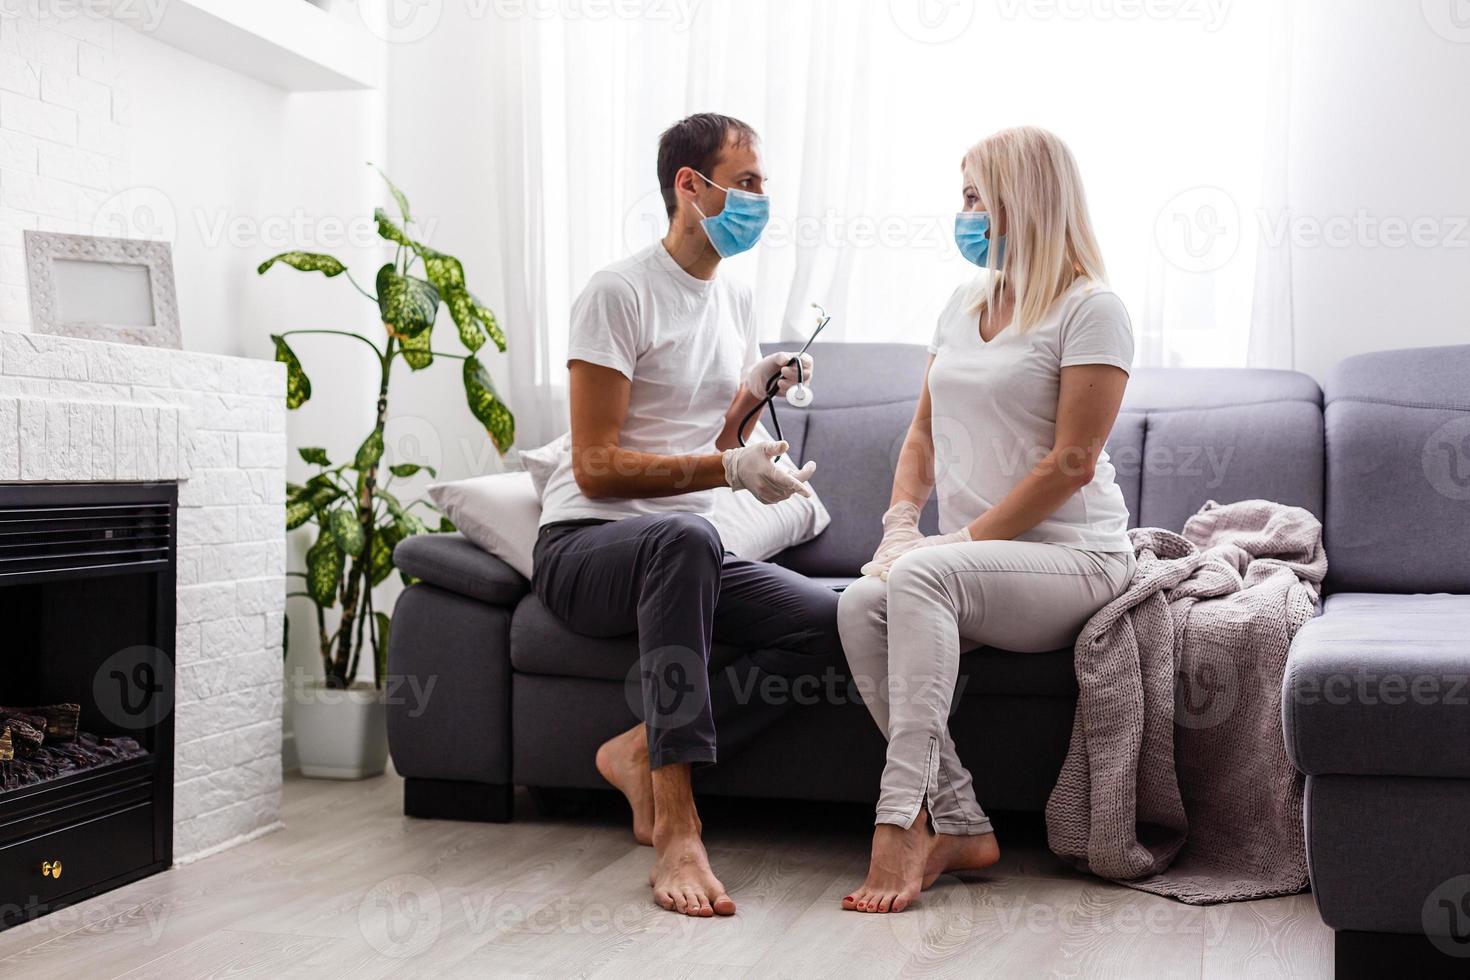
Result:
x=738 y=227
x=971 y=234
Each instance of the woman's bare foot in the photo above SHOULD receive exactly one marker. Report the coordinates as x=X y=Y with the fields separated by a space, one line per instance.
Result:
x=623 y=761
x=682 y=880
x=896 y=871
x=950 y=852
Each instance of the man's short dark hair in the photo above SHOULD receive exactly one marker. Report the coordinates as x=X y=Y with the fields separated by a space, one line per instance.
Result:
x=696 y=142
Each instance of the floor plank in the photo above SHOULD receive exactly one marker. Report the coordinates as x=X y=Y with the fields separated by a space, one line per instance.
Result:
x=353 y=889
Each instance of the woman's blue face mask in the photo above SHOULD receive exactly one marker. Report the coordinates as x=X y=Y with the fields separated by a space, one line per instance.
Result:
x=972 y=235
x=738 y=227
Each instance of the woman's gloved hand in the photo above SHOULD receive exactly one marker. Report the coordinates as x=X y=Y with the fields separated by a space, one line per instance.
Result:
x=754 y=468
x=760 y=373
x=901 y=535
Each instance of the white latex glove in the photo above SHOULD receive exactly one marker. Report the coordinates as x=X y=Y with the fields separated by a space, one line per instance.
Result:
x=754 y=468
x=759 y=375
x=900 y=533
x=905 y=536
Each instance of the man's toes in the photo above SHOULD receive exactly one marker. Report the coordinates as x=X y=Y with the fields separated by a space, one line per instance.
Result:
x=664 y=899
x=705 y=909
x=723 y=904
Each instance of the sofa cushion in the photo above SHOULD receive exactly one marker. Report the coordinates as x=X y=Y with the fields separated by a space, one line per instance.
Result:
x=541 y=644
x=1380 y=685
x=1223 y=435
x=453 y=562
x=1398 y=472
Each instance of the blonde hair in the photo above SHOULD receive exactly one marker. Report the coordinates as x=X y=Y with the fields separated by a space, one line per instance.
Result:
x=1031 y=175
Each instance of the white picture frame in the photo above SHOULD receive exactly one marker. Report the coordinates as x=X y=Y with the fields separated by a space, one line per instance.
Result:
x=118 y=290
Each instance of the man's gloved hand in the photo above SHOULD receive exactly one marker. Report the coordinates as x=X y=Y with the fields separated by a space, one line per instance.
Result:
x=760 y=374
x=754 y=468
x=901 y=535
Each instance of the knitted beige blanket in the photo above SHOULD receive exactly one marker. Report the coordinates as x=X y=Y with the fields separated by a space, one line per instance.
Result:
x=1176 y=781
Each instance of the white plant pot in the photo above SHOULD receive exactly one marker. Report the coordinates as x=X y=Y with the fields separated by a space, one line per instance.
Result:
x=340 y=734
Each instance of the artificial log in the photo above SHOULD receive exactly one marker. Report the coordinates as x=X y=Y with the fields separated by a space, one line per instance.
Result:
x=26 y=731
x=7 y=748
x=60 y=719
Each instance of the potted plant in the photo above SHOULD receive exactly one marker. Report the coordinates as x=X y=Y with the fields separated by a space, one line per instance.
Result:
x=350 y=509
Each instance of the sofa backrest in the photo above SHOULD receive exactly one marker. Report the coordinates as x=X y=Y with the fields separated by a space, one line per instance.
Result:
x=1184 y=436
x=1398 y=472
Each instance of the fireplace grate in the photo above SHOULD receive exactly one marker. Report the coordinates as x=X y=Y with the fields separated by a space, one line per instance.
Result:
x=118 y=537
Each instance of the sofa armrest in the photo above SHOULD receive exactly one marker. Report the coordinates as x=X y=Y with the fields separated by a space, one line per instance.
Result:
x=1378 y=686
x=452 y=562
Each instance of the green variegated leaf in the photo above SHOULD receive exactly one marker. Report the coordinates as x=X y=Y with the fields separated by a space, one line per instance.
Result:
x=369 y=452
x=486 y=405
x=381 y=650
x=305 y=262
x=298 y=385
x=462 y=311
x=324 y=563
x=398 y=195
x=444 y=271
x=387 y=229
x=344 y=527
x=408 y=305
x=298 y=512
x=416 y=350
x=315 y=454
x=385 y=538
x=409 y=469
x=491 y=325
x=446 y=526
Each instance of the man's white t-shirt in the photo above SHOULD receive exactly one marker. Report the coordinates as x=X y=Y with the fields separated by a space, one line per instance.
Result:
x=684 y=343
x=995 y=411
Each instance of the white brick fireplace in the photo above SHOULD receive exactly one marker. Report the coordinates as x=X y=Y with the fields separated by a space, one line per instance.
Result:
x=82 y=411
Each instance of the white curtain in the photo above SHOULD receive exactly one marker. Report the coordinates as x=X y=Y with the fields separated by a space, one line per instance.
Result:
x=865 y=108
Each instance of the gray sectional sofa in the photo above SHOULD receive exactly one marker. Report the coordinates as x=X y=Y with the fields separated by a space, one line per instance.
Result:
x=520 y=700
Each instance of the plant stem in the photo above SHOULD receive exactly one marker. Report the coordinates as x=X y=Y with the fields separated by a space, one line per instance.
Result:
x=337 y=333
x=359 y=288
x=352 y=613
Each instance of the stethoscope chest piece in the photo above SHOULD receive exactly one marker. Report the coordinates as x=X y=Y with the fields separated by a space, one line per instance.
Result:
x=799 y=395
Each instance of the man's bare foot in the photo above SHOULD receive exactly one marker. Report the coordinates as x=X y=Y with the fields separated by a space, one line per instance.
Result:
x=896 y=870
x=623 y=761
x=682 y=880
x=950 y=852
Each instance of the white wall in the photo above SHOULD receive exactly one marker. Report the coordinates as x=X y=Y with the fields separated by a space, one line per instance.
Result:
x=1380 y=130
x=104 y=130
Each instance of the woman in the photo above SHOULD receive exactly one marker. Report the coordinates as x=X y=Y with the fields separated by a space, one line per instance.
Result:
x=1026 y=374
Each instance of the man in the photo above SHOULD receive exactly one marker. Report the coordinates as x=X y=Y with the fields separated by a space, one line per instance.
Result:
x=660 y=344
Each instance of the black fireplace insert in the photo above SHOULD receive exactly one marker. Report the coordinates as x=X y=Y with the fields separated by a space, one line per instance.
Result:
x=87 y=614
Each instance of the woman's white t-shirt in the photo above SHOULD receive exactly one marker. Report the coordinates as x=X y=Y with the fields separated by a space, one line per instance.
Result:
x=683 y=343
x=995 y=412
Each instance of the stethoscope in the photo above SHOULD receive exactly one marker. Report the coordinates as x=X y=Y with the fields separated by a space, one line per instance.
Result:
x=798 y=395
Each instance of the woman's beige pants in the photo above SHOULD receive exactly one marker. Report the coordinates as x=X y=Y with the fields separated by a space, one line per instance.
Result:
x=903 y=639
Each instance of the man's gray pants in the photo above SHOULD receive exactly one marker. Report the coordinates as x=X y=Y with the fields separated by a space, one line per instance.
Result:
x=668 y=578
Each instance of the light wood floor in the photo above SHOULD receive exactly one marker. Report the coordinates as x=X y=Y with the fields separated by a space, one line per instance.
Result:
x=353 y=889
